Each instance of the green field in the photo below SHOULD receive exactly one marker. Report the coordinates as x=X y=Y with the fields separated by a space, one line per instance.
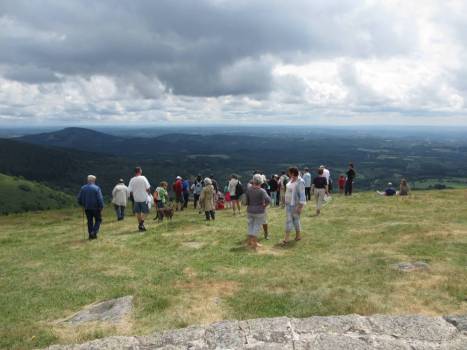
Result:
x=191 y=272
x=19 y=195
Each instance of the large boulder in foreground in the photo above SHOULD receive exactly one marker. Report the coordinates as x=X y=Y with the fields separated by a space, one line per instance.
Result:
x=330 y=333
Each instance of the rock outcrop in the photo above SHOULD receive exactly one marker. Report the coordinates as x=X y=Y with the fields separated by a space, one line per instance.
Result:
x=112 y=310
x=330 y=333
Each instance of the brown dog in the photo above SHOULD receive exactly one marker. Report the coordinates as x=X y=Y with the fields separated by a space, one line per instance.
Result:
x=167 y=212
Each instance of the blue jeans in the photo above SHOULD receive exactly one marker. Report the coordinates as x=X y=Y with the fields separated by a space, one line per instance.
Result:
x=120 y=210
x=292 y=219
x=274 y=198
x=94 y=221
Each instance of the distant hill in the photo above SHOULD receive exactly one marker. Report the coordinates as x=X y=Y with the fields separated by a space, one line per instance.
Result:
x=19 y=195
x=63 y=169
x=77 y=138
x=378 y=160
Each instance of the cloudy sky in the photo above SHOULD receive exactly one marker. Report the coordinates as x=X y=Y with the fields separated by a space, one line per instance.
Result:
x=297 y=61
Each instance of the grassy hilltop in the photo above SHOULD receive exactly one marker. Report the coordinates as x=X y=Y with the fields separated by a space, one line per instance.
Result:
x=191 y=272
x=19 y=195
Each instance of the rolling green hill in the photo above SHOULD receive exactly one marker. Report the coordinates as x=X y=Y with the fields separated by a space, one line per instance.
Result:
x=19 y=195
x=189 y=272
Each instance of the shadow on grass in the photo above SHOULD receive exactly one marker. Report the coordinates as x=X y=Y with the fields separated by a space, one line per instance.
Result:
x=288 y=245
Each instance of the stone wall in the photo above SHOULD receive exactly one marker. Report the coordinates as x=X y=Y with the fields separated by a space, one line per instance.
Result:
x=333 y=333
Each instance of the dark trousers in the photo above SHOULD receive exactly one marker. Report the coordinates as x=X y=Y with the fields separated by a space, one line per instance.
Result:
x=308 y=193
x=120 y=210
x=186 y=196
x=210 y=215
x=195 y=200
x=94 y=221
x=348 y=187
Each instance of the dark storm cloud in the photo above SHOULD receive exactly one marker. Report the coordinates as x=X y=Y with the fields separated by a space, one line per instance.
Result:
x=193 y=47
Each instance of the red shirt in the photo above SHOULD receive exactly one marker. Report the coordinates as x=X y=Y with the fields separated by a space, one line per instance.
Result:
x=178 y=187
x=341 y=181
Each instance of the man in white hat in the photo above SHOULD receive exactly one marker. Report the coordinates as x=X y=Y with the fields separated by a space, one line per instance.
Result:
x=389 y=191
x=178 y=189
x=91 y=199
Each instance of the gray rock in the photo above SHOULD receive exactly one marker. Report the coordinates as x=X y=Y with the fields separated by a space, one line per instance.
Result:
x=460 y=322
x=110 y=311
x=349 y=332
x=409 y=267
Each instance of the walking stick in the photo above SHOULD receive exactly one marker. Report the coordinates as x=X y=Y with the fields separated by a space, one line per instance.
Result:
x=84 y=229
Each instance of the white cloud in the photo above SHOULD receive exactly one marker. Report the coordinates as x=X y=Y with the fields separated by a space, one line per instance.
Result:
x=323 y=61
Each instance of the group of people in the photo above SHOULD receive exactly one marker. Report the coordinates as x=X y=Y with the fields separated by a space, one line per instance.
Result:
x=404 y=189
x=291 y=190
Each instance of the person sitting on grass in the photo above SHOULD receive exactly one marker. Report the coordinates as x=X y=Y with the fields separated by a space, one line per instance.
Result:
x=207 y=200
x=139 y=188
x=294 y=200
x=256 y=200
x=161 y=197
x=91 y=199
x=320 y=189
x=389 y=191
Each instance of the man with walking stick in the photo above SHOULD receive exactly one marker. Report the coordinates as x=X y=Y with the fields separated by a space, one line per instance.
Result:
x=90 y=198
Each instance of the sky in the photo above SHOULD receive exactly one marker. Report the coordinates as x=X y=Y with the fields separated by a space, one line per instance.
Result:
x=323 y=62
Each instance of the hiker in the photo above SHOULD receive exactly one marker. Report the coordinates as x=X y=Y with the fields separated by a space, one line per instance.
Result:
x=389 y=191
x=196 y=188
x=341 y=183
x=307 y=179
x=327 y=175
x=320 y=189
x=161 y=197
x=349 y=181
x=404 y=188
x=91 y=199
x=295 y=200
x=120 y=195
x=235 y=190
x=283 y=180
x=186 y=192
x=256 y=200
x=265 y=184
x=227 y=197
x=207 y=199
x=273 y=187
x=178 y=189
x=139 y=188
x=214 y=183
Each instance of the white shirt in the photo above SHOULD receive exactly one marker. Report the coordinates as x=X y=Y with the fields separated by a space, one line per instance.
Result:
x=233 y=186
x=307 y=179
x=139 y=186
x=289 y=192
x=326 y=174
x=120 y=194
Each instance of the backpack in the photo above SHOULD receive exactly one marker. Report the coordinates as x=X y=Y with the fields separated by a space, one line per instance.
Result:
x=238 y=189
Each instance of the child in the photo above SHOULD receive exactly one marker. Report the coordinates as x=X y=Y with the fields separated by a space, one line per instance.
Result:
x=341 y=184
x=228 y=199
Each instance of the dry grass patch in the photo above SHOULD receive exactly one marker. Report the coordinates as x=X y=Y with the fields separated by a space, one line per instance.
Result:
x=201 y=302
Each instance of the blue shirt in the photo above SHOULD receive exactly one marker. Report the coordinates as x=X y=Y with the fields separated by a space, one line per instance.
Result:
x=307 y=179
x=390 y=191
x=90 y=197
x=186 y=186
